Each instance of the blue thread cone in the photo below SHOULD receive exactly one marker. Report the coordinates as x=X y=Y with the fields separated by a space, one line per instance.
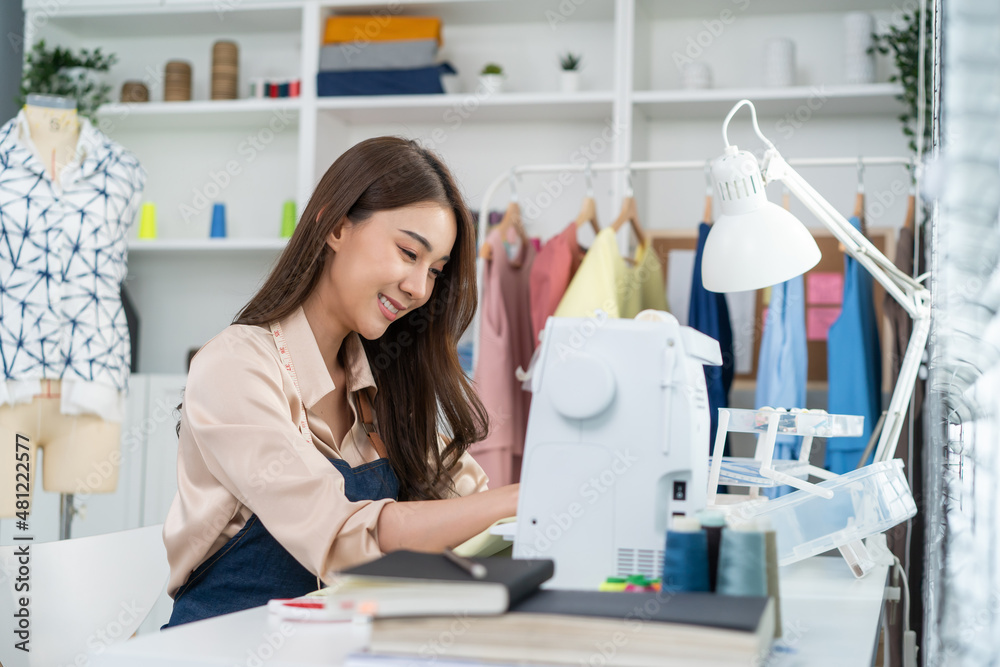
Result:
x=742 y=563
x=218 y=221
x=685 y=562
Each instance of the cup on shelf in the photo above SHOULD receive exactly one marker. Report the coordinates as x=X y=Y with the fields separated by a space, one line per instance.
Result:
x=147 y=221
x=288 y=219
x=218 y=221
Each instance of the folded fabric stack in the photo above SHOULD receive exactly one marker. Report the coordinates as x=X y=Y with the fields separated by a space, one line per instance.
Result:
x=381 y=55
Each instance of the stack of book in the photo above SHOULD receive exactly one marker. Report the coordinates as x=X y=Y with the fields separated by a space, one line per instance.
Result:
x=505 y=618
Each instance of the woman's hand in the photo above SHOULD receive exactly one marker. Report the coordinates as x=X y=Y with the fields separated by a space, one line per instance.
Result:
x=434 y=525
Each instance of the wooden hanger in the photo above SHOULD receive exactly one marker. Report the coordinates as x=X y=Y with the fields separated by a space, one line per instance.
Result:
x=706 y=216
x=630 y=214
x=911 y=203
x=859 y=200
x=511 y=218
x=588 y=211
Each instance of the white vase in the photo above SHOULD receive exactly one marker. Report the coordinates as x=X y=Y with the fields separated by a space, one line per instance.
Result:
x=492 y=83
x=569 y=81
x=859 y=65
x=695 y=76
x=779 y=63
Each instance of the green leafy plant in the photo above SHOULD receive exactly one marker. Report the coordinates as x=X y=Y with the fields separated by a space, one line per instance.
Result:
x=492 y=68
x=904 y=43
x=570 y=62
x=59 y=71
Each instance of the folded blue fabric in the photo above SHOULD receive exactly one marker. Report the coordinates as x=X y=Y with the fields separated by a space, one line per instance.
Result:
x=419 y=81
x=396 y=54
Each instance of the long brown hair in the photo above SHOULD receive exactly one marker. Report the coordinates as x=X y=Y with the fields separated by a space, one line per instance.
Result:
x=415 y=363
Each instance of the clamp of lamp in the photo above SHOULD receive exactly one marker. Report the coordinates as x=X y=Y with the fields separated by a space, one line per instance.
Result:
x=755 y=243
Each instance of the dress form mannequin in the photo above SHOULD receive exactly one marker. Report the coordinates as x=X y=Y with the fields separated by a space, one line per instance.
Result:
x=51 y=392
x=55 y=131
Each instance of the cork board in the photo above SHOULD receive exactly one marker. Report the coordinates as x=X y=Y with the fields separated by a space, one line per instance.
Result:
x=823 y=287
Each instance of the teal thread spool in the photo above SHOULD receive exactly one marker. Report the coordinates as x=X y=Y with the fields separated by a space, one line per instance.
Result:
x=685 y=558
x=742 y=563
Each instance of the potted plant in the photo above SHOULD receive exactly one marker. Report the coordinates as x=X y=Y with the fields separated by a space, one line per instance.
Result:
x=570 y=81
x=58 y=71
x=492 y=78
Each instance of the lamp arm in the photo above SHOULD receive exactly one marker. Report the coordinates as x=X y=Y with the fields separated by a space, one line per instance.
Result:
x=900 y=401
x=909 y=293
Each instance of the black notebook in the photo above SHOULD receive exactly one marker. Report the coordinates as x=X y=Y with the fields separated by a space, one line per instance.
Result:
x=410 y=583
x=571 y=627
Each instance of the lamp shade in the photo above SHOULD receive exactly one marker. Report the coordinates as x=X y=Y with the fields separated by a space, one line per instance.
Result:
x=753 y=243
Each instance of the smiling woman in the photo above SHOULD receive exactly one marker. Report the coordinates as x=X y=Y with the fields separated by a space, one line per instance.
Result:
x=311 y=437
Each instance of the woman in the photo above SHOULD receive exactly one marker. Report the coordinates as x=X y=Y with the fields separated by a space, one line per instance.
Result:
x=308 y=439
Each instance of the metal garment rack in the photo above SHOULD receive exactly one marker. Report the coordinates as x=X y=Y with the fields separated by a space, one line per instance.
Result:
x=510 y=176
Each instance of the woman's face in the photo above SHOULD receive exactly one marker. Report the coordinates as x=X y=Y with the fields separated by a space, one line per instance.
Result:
x=385 y=267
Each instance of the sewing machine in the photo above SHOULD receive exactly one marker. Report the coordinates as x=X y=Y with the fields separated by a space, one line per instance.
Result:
x=617 y=443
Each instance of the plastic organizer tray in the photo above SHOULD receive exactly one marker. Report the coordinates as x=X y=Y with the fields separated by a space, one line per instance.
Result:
x=865 y=502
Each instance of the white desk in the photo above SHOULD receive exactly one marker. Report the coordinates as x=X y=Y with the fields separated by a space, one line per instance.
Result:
x=830 y=618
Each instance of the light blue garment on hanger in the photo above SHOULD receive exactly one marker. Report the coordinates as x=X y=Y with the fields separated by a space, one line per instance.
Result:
x=783 y=364
x=854 y=361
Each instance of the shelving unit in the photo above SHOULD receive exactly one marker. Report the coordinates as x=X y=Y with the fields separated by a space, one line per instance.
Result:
x=255 y=154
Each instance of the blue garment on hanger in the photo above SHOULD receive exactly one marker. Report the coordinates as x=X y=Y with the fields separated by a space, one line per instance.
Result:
x=783 y=364
x=854 y=361
x=708 y=312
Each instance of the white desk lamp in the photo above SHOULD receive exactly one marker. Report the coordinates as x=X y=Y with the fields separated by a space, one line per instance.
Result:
x=755 y=243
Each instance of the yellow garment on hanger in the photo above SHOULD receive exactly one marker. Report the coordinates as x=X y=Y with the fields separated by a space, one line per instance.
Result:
x=605 y=282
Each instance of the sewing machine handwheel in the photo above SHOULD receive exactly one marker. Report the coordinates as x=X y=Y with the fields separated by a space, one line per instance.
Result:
x=580 y=386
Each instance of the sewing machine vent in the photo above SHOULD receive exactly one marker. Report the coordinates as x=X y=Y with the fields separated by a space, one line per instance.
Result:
x=648 y=562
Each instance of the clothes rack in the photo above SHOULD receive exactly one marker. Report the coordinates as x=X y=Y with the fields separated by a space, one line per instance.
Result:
x=510 y=176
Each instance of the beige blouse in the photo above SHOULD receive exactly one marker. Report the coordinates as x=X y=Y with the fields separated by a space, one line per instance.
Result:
x=240 y=453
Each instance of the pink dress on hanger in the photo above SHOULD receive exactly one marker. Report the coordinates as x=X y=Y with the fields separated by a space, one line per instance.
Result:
x=505 y=342
x=551 y=273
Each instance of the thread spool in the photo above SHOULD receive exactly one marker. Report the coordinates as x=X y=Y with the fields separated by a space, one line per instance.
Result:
x=685 y=558
x=742 y=563
x=218 y=230
x=147 y=221
x=712 y=522
x=288 y=219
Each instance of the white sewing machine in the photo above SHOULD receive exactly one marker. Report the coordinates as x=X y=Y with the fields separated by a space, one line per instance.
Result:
x=617 y=443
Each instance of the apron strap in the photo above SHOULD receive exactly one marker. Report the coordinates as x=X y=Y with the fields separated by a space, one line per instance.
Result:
x=367 y=420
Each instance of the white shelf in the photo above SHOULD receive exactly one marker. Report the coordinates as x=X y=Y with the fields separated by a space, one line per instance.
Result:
x=878 y=98
x=466 y=12
x=212 y=18
x=160 y=246
x=659 y=9
x=202 y=114
x=473 y=106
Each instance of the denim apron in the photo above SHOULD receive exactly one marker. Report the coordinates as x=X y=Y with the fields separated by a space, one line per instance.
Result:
x=252 y=567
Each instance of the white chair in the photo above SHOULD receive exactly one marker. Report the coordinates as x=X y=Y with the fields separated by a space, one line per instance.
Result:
x=86 y=594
